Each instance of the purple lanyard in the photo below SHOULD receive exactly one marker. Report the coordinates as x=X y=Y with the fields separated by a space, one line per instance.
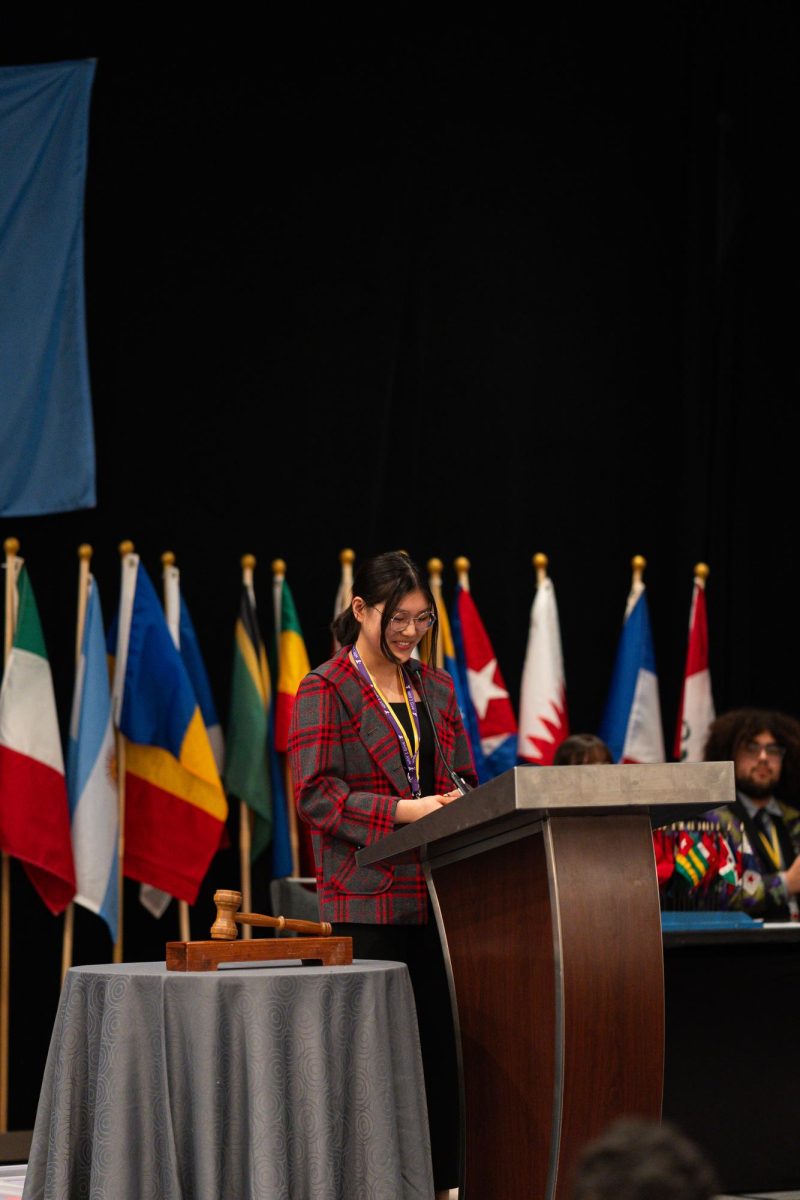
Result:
x=409 y=759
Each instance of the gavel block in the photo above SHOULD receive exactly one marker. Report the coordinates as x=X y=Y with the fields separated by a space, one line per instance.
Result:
x=206 y=956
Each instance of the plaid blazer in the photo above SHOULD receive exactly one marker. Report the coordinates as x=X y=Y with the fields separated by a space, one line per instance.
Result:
x=348 y=776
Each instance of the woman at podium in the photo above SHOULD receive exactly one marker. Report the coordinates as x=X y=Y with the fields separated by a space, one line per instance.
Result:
x=376 y=741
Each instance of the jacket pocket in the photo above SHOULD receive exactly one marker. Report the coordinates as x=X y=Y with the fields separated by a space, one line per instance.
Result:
x=345 y=875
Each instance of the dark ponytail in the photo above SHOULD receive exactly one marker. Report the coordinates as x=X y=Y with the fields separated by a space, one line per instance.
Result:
x=384 y=579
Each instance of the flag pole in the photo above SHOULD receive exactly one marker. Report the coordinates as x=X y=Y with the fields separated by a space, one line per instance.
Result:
x=701 y=574
x=247 y=563
x=84 y=575
x=540 y=563
x=638 y=565
x=346 y=557
x=125 y=548
x=278 y=576
x=173 y=621
x=462 y=566
x=13 y=564
x=435 y=568
x=345 y=593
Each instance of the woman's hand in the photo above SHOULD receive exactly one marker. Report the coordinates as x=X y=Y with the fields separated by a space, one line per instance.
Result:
x=412 y=810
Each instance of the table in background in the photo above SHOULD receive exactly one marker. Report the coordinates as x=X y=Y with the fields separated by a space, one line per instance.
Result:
x=270 y=1082
x=730 y=1080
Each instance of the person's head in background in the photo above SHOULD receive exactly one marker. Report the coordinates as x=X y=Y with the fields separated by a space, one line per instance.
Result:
x=636 y=1159
x=580 y=749
x=765 y=748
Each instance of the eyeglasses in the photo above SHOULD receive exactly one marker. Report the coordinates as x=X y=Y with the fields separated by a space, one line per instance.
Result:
x=400 y=621
x=772 y=749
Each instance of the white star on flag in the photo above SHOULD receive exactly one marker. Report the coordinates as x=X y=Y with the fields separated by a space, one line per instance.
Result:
x=482 y=687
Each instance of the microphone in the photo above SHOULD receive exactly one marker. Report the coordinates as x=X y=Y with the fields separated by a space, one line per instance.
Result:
x=414 y=666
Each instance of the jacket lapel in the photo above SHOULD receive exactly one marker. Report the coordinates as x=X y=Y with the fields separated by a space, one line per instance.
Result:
x=374 y=731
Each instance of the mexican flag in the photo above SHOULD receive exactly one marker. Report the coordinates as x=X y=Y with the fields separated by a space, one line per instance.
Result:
x=34 y=812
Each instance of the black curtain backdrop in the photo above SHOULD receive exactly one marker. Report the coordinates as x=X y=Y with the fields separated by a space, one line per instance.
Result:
x=468 y=286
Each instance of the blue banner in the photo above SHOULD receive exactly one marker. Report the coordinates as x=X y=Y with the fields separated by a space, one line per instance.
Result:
x=47 y=462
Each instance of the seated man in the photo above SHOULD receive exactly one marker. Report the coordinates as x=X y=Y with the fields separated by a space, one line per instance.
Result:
x=760 y=826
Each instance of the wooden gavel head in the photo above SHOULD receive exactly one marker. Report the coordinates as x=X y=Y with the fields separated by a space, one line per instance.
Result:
x=228 y=903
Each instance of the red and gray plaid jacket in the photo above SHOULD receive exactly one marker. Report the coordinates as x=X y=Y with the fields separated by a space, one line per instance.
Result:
x=348 y=777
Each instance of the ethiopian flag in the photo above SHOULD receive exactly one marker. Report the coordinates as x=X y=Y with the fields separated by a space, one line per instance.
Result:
x=247 y=774
x=34 y=812
x=293 y=664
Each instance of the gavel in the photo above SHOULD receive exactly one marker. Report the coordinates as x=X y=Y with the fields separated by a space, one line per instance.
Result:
x=224 y=928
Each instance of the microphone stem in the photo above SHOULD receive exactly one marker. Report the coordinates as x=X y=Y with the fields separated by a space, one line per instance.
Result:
x=461 y=784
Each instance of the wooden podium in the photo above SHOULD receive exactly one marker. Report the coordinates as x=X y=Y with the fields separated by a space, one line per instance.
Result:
x=544 y=887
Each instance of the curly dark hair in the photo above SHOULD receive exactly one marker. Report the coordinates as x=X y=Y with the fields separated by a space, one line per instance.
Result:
x=739 y=726
x=637 y=1159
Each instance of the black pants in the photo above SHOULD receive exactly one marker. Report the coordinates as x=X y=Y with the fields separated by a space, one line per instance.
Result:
x=418 y=946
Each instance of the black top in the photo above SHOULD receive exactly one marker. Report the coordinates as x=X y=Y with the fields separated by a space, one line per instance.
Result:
x=427 y=749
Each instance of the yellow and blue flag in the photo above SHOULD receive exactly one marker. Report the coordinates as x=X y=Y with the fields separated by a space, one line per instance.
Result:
x=175 y=807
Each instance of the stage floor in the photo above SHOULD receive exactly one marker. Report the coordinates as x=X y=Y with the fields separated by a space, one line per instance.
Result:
x=12 y=1179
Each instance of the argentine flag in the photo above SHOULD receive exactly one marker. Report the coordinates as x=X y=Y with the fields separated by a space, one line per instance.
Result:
x=91 y=775
x=631 y=723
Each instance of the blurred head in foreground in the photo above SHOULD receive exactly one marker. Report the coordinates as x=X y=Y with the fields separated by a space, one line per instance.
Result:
x=635 y=1159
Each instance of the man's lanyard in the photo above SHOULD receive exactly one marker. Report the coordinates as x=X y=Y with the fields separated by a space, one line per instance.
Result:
x=409 y=746
x=772 y=846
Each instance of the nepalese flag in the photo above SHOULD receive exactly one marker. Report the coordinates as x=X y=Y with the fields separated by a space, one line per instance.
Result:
x=696 y=710
x=493 y=728
x=175 y=808
x=690 y=861
x=34 y=813
x=543 y=722
x=631 y=723
x=293 y=664
x=92 y=775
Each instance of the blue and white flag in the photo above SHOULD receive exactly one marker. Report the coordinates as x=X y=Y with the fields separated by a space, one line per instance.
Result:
x=631 y=724
x=47 y=461
x=91 y=775
x=183 y=635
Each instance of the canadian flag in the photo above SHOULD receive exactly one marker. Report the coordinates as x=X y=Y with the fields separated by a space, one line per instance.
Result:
x=543 y=722
x=696 y=711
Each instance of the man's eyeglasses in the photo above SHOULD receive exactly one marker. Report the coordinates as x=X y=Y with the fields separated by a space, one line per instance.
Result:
x=772 y=749
x=400 y=621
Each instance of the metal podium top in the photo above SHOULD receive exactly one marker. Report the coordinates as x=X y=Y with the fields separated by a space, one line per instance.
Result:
x=667 y=791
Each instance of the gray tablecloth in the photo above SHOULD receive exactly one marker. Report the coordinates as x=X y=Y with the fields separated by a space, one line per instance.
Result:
x=263 y=1083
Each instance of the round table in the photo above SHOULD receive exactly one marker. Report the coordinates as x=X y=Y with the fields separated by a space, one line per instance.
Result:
x=270 y=1082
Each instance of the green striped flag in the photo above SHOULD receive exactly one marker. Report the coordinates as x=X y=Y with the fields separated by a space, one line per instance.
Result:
x=246 y=763
x=34 y=812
